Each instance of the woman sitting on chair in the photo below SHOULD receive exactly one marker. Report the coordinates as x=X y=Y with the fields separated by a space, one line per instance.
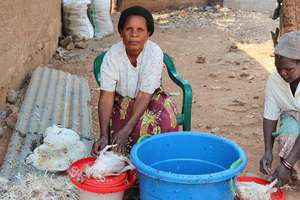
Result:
x=131 y=101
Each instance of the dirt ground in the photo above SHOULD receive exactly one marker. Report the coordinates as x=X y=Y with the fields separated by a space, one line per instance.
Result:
x=225 y=55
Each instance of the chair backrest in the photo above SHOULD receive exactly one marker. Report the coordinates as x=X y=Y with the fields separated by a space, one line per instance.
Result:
x=184 y=117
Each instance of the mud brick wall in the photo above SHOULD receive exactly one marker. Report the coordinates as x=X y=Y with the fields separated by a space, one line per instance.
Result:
x=29 y=35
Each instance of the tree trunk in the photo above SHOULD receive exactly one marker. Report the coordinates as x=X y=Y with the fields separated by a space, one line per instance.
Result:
x=290 y=16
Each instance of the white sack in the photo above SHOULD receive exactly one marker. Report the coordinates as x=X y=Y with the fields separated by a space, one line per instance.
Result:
x=100 y=17
x=76 y=21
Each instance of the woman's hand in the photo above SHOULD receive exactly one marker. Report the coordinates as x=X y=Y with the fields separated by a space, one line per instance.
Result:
x=269 y=126
x=283 y=175
x=99 y=145
x=266 y=163
x=121 y=139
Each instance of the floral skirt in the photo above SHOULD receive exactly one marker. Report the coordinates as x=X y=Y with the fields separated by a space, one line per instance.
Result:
x=159 y=117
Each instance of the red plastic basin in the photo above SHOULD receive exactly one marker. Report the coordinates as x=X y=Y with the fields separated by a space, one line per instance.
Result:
x=109 y=184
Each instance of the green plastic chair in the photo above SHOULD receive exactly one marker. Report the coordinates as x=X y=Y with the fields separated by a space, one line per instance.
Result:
x=183 y=118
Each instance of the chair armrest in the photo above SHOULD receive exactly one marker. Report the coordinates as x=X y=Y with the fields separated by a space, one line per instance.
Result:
x=184 y=117
x=97 y=66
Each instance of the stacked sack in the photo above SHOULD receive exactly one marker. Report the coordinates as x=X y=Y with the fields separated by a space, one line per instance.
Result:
x=99 y=13
x=77 y=23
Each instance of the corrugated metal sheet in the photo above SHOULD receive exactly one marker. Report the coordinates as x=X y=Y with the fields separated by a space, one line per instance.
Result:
x=52 y=97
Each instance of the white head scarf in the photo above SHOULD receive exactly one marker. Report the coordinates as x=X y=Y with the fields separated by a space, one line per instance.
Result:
x=289 y=45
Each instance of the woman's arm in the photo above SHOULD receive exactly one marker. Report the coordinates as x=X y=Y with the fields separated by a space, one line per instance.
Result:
x=284 y=170
x=105 y=106
x=269 y=126
x=140 y=105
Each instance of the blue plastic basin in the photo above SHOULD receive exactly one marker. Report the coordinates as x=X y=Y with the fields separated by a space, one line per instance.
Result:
x=187 y=166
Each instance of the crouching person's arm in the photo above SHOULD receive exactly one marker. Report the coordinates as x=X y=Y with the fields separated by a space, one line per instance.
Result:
x=284 y=171
x=269 y=126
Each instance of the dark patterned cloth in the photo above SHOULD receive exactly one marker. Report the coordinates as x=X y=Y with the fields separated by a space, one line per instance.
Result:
x=159 y=117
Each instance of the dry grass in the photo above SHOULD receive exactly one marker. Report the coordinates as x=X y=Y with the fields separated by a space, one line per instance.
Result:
x=35 y=187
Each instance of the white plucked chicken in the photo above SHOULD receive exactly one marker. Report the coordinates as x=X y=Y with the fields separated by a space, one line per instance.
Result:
x=61 y=147
x=108 y=163
x=255 y=191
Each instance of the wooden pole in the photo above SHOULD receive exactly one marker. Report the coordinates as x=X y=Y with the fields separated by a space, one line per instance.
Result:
x=290 y=16
x=289 y=13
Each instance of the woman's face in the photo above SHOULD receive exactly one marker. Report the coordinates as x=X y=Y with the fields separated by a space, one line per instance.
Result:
x=288 y=69
x=135 y=33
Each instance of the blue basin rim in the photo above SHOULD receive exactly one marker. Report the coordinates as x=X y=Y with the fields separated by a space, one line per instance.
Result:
x=189 y=179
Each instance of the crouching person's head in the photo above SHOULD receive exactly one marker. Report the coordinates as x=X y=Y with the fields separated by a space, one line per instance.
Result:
x=287 y=56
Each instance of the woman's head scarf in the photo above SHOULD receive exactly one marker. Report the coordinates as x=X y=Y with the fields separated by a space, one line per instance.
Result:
x=289 y=45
